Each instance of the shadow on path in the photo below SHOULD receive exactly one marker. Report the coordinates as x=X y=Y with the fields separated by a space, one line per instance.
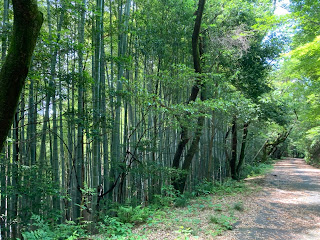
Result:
x=287 y=208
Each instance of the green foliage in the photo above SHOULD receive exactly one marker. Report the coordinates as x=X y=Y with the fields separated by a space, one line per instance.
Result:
x=32 y=187
x=167 y=197
x=297 y=80
x=257 y=169
x=306 y=15
x=303 y=59
x=204 y=188
x=228 y=187
x=112 y=227
x=251 y=79
x=171 y=197
x=182 y=200
x=238 y=206
x=313 y=152
x=184 y=231
x=222 y=221
x=44 y=231
x=274 y=111
x=129 y=214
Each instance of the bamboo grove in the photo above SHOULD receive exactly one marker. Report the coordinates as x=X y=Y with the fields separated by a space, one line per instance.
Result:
x=116 y=108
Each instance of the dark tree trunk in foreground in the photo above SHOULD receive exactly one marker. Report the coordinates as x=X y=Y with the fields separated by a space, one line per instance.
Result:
x=26 y=28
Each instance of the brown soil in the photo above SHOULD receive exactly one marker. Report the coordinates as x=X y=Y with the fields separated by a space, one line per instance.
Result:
x=287 y=208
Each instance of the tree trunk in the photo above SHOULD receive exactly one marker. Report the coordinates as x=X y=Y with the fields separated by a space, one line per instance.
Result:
x=234 y=145
x=103 y=123
x=210 y=170
x=96 y=93
x=3 y=189
x=3 y=164
x=243 y=147
x=116 y=153
x=270 y=147
x=190 y=154
x=53 y=63
x=26 y=28
x=63 y=161
x=184 y=138
x=13 y=206
x=78 y=179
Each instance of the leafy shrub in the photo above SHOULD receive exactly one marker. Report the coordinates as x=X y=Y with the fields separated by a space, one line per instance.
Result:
x=217 y=207
x=313 y=152
x=184 y=231
x=43 y=230
x=204 y=188
x=182 y=200
x=112 y=227
x=70 y=230
x=129 y=214
x=229 y=187
x=167 y=197
x=238 y=206
x=256 y=170
x=223 y=221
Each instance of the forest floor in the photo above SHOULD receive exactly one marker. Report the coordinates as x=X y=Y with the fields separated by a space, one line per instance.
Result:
x=284 y=204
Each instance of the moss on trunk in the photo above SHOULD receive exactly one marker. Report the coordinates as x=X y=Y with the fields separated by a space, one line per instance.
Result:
x=26 y=28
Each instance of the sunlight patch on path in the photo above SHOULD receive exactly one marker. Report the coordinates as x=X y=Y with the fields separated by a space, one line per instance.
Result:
x=297 y=197
x=288 y=208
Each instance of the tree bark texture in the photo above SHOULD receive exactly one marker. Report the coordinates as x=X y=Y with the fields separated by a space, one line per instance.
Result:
x=26 y=28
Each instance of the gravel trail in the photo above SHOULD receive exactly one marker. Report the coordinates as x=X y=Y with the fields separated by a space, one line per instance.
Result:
x=287 y=208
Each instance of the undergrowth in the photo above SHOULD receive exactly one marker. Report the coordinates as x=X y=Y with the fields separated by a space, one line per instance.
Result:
x=69 y=231
x=257 y=169
x=122 y=219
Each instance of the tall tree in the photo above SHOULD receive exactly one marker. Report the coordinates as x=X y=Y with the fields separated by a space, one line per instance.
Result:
x=184 y=138
x=4 y=40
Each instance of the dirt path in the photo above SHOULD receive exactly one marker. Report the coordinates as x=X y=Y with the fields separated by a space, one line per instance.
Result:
x=288 y=207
